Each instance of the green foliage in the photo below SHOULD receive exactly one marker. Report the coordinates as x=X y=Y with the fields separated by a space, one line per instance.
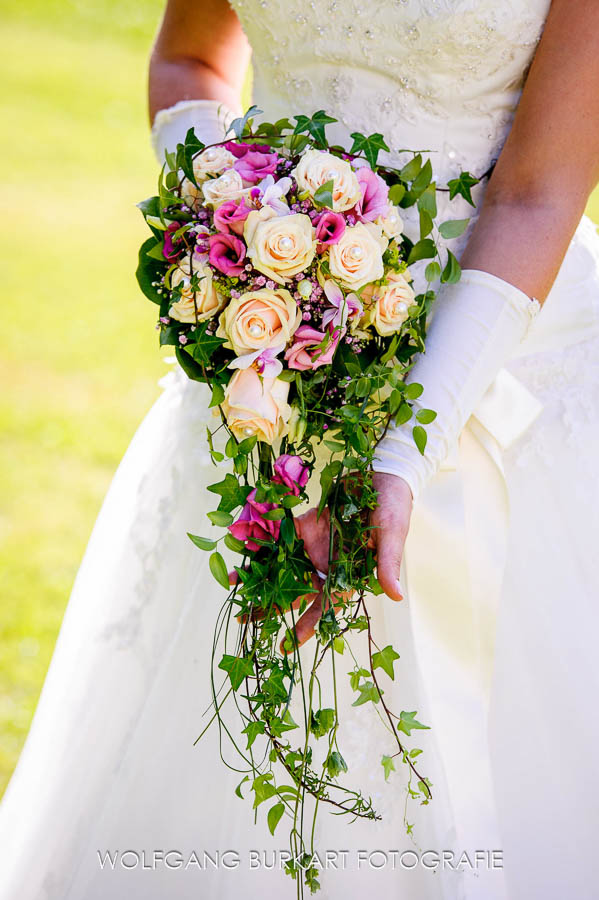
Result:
x=407 y=722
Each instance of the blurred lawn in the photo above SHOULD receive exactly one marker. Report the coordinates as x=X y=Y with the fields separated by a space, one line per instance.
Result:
x=78 y=357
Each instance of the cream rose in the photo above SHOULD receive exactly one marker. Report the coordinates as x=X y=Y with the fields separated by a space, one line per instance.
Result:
x=392 y=223
x=389 y=304
x=259 y=319
x=316 y=168
x=227 y=186
x=256 y=405
x=279 y=246
x=357 y=258
x=207 y=299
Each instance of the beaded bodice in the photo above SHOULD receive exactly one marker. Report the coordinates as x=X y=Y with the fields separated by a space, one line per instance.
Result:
x=437 y=75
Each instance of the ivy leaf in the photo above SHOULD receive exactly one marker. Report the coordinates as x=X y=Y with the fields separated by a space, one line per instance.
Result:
x=356 y=674
x=219 y=569
x=238 y=125
x=201 y=542
x=384 y=659
x=420 y=437
x=368 y=692
x=274 y=816
x=314 y=126
x=290 y=588
x=263 y=789
x=335 y=764
x=322 y=722
x=232 y=494
x=205 y=345
x=462 y=186
x=408 y=722
x=388 y=765
x=253 y=729
x=370 y=146
x=453 y=228
x=238 y=668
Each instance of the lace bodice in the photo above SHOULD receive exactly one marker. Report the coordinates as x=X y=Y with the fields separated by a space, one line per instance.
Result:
x=438 y=75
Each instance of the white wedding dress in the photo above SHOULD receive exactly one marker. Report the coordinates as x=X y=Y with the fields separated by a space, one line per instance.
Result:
x=498 y=634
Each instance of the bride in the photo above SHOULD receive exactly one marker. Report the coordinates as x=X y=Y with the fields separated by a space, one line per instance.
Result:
x=498 y=626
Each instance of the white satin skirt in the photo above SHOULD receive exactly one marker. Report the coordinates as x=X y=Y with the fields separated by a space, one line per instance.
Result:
x=497 y=639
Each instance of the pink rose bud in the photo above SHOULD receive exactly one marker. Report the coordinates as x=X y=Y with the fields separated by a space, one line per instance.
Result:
x=251 y=524
x=291 y=471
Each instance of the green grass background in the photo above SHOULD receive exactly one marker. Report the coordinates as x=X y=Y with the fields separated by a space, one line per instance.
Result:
x=78 y=361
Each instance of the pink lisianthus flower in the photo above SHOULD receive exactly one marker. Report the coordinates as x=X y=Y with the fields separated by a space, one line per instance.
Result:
x=227 y=253
x=291 y=471
x=342 y=307
x=251 y=525
x=230 y=216
x=306 y=352
x=254 y=161
x=265 y=361
x=375 y=195
x=329 y=228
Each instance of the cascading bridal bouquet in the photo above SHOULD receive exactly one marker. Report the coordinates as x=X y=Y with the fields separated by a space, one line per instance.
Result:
x=283 y=280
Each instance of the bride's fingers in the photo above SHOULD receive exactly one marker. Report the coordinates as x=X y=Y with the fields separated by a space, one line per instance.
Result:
x=307 y=622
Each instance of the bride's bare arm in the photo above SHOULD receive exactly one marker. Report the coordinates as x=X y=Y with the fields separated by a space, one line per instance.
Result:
x=535 y=199
x=550 y=162
x=200 y=53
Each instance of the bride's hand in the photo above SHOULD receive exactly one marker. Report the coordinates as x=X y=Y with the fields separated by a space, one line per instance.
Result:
x=390 y=521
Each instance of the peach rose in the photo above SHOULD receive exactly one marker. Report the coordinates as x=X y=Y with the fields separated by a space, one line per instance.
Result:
x=259 y=319
x=227 y=186
x=207 y=300
x=389 y=304
x=315 y=168
x=256 y=405
x=279 y=246
x=392 y=223
x=357 y=257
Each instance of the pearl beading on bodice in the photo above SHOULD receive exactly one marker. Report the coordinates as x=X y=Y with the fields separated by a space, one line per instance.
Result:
x=437 y=75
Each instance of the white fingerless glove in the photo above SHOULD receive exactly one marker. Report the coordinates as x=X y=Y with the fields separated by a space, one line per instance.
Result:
x=476 y=326
x=209 y=118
